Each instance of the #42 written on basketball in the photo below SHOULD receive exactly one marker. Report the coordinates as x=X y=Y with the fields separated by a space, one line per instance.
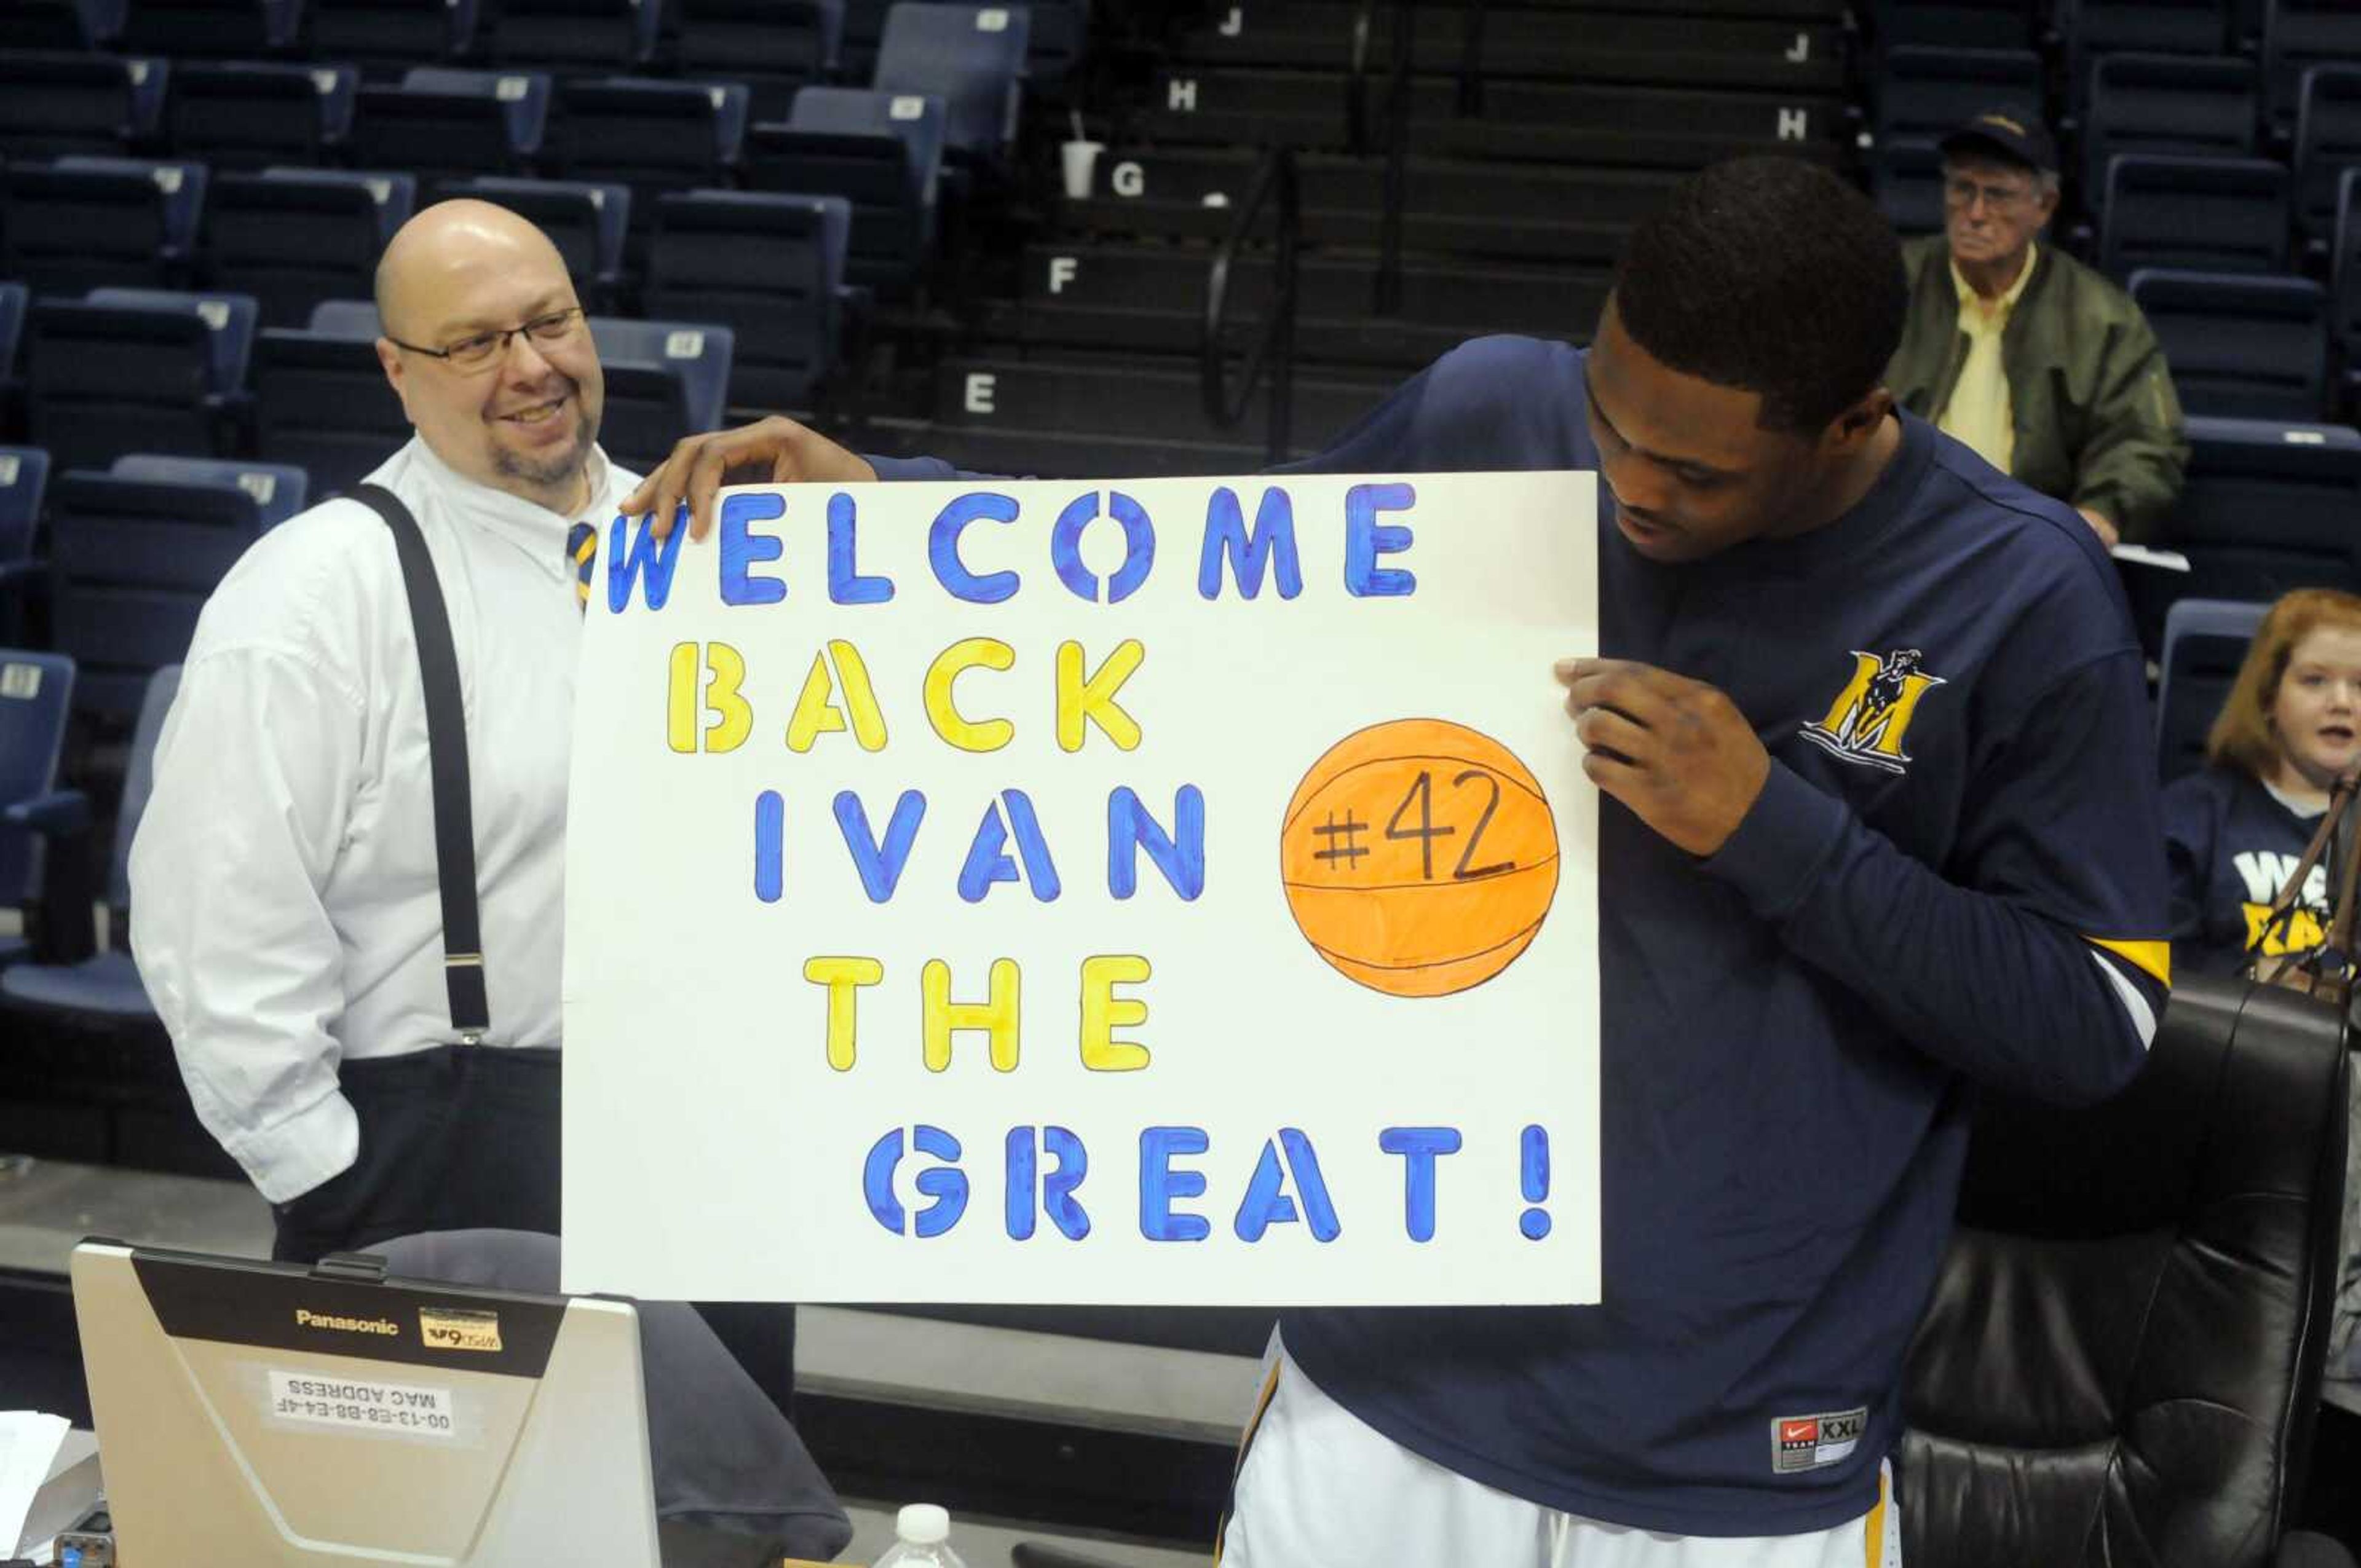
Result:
x=1173 y=891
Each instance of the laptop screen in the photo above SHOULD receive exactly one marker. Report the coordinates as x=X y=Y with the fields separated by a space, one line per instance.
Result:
x=253 y=1412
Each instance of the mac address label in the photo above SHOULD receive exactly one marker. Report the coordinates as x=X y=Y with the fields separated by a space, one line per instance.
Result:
x=387 y=1410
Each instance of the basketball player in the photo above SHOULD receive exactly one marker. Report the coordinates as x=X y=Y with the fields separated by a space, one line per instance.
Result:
x=1873 y=720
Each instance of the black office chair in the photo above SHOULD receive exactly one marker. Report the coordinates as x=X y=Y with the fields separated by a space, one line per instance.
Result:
x=2122 y=1361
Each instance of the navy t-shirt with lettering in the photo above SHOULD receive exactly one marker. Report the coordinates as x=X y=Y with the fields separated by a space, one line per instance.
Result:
x=1954 y=873
x=2232 y=845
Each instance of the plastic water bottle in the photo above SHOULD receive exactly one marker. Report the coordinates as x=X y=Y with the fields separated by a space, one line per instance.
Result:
x=921 y=1539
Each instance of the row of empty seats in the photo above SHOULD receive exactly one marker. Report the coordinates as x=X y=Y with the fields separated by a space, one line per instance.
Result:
x=777 y=43
x=2285 y=37
x=2173 y=106
x=969 y=61
x=293 y=236
x=150 y=370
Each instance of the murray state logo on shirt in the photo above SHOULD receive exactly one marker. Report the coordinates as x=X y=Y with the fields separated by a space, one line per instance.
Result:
x=1869 y=719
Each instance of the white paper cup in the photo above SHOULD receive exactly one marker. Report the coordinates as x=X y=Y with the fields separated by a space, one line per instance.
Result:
x=1080 y=158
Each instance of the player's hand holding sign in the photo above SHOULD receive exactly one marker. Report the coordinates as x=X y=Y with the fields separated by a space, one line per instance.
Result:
x=1676 y=751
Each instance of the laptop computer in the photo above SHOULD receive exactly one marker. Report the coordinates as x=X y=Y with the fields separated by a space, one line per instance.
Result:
x=257 y=1413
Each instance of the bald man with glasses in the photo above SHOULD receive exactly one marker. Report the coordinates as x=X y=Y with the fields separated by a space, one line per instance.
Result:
x=292 y=915
x=2044 y=367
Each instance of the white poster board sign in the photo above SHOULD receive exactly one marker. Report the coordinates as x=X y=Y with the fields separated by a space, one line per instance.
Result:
x=1172 y=890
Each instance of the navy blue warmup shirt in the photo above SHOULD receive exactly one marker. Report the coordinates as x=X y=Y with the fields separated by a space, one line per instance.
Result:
x=2232 y=844
x=1954 y=872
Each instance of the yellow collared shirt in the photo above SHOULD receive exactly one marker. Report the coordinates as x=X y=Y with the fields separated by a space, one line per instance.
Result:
x=1979 y=413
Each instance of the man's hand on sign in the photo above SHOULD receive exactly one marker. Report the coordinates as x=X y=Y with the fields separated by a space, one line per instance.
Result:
x=1676 y=751
x=776 y=451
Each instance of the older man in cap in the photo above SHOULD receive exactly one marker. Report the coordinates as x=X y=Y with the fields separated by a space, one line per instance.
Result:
x=2042 y=366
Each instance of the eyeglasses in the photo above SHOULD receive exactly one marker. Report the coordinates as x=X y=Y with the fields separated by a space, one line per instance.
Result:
x=480 y=350
x=1999 y=198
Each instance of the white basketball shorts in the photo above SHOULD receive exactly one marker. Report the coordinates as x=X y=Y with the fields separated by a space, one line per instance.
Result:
x=1317 y=1487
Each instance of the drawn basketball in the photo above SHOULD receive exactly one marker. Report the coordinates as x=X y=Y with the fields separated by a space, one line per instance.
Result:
x=1418 y=857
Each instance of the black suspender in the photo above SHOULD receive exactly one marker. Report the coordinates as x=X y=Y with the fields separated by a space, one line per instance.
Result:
x=446 y=745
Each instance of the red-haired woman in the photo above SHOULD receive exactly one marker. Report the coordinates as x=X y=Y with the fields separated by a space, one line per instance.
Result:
x=2234 y=830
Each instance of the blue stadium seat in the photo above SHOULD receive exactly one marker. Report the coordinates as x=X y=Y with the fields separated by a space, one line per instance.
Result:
x=54 y=103
x=24 y=480
x=293 y=238
x=664 y=380
x=1924 y=95
x=2205 y=643
x=773 y=46
x=769 y=267
x=132 y=562
x=57 y=25
x=1055 y=38
x=211 y=30
x=321 y=401
x=2240 y=346
x=972 y=57
x=2345 y=268
x=2211 y=214
x=2180 y=105
x=863 y=29
x=586 y=220
x=881 y=152
x=102 y=21
x=12 y=298
x=353 y=319
x=387 y=37
x=2092 y=28
x=2327 y=143
x=2268 y=506
x=279 y=489
x=104 y=987
x=83 y=220
x=136 y=371
x=246 y=115
x=650 y=135
x=568 y=36
x=36 y=700
x=1960 y=24
x=24 y=476
x=442 y=123
x=2297 y=36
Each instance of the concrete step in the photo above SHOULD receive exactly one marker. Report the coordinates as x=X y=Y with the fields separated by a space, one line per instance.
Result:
x=1172 y=279
x=1064 y=454
x=1782 y=55
x=1127 y=399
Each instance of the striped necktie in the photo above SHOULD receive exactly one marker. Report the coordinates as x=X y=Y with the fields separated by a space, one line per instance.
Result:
x=581 y=549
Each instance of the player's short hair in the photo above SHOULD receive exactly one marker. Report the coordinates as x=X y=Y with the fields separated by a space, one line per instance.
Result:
x=2242 y=736
x=1772 y=276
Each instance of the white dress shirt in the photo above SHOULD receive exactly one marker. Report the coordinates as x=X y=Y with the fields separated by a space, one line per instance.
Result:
x=285 y=912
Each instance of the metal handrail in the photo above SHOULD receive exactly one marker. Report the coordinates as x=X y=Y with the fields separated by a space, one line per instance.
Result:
x=1274 y=350
x=1387 y=300
x=1356 y=78
x=1470 y=101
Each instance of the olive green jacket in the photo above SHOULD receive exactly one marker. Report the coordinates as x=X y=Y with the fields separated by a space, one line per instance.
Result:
x=2098 y=423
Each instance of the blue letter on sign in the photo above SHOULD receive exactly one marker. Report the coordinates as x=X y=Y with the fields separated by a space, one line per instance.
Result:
x=845 y=582
x=740 y=550
x=1159 y=1184
x=648 y=554
x=1138 y=547
x=1366 y=538
x=942 y=548
x=1419 y=1147
x=1273 y=535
